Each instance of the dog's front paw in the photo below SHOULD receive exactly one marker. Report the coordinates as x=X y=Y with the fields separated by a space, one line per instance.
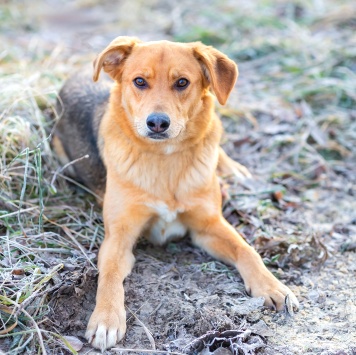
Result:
x=106 y=327
x=273 y=291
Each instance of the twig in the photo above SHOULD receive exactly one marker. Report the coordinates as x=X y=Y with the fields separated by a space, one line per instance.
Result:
x=37 y=329
x=11 y=327
x=147 y=351
x=8 y=178
x=148 y=333
x=59 y=170
x=18 y=333
x=18 y=212
x=52 y=250
x=44 y=352
x=81 y=186
x=34 y=294
x=70 y=235
x=21 y=347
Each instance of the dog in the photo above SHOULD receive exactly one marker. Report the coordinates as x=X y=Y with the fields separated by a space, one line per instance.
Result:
x=152 y=137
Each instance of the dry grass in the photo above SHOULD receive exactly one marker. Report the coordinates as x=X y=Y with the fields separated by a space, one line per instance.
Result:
x=293 y=121
x=44 y=224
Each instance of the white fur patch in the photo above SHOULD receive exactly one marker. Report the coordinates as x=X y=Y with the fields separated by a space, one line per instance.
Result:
x=164 y=212
x=169 y=149
x=168 y=226
x=163 y=232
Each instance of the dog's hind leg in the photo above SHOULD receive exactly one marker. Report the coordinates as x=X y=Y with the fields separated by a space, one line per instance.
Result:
x=230 y=167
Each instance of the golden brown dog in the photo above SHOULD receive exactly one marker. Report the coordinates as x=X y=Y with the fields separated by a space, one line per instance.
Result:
x=158 y=137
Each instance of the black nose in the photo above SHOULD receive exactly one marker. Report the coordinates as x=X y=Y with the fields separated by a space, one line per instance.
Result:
x=158 y=122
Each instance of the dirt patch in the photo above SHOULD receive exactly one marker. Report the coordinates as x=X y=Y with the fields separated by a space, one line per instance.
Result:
x=72 y=303
x=182 y=296
x=177 y=292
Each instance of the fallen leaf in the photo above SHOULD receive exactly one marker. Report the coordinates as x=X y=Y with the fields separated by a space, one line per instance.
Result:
x=74 y=342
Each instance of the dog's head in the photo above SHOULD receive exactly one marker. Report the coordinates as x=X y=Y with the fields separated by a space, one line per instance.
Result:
x=164 y=86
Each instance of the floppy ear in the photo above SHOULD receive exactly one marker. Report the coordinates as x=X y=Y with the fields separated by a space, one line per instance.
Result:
x=220 y=71
x=111 y=58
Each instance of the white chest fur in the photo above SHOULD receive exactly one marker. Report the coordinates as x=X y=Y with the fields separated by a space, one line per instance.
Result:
x=167 y=226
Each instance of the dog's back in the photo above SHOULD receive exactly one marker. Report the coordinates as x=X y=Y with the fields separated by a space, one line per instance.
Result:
x=81 y=106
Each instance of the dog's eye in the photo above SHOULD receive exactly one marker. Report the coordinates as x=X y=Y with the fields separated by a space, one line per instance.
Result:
x=181 y=84
x=140 y=83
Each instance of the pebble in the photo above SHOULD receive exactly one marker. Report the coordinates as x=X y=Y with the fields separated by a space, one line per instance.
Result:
x=303 y=289
x=280 y=271
x=222 y=351
x=344 y=270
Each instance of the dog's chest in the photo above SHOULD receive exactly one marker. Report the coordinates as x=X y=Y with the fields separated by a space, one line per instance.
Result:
x=166 y=225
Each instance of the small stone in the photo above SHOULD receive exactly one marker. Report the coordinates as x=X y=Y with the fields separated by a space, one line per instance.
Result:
x=222 y=351
x=349 y=303
x=344 y=270
x=69 y=267
x=303 y=289
x=313 y=295
x=254 y=316
x=280 y=271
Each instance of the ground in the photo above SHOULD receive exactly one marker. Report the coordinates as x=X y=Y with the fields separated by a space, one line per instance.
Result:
x=291 y=120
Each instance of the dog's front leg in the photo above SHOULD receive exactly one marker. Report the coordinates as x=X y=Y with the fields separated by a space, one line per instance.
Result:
x=214 y=234
x=123 y=225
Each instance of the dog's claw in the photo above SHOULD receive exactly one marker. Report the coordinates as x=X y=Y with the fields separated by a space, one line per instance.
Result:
x=291 y=304
x=277 y=296
x=106 y=328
